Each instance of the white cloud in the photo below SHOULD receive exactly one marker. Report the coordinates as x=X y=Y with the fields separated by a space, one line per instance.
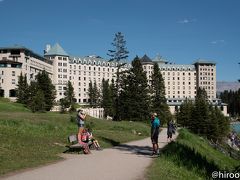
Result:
x=186 y=21
x=1 y=0
x=217 y=41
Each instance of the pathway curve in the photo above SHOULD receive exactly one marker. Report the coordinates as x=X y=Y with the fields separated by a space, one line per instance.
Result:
x=126 y=161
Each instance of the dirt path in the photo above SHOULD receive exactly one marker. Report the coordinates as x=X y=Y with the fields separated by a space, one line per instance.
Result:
x=127 y=161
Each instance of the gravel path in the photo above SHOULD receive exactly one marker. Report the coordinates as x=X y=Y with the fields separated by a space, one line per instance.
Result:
x=124 y=162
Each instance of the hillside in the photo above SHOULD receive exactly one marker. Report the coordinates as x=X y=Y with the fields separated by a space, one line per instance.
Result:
x=190 y=157
x=32 y=139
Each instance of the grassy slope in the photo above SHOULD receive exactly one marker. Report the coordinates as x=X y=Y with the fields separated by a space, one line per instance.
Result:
x=30 y=139
x=190 y=157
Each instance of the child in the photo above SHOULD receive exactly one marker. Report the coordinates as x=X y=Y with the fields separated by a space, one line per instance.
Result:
x=93 y=140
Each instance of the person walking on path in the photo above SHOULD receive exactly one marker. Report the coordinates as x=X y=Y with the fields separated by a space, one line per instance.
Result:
x=155 y=124
x=170 y=130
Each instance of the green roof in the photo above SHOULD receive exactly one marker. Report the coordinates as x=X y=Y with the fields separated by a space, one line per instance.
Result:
x=56 y=50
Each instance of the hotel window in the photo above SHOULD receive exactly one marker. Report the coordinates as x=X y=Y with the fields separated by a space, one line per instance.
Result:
x=13 y=81
x=84 y=78
x=59 y=64
x=59 y=58
x=13 y=73
x=89 y=68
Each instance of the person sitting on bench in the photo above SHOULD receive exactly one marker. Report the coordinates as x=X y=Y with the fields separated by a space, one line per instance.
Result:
x=83 y=140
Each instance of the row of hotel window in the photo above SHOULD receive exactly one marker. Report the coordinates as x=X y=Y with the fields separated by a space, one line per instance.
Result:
x=85 y=68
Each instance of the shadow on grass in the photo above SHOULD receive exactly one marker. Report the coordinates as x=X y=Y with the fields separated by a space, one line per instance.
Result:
x=183 y=155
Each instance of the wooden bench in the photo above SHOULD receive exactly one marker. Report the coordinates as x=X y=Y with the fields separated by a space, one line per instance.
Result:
x=74 y=145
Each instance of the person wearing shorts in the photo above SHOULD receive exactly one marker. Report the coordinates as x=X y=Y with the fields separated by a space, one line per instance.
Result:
x=155 y=124
x=81 y=116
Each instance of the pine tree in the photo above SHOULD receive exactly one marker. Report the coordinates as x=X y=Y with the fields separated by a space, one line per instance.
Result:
x=36 y=100
x=94 y=94
x=22 y=90
x=134 y=98
x=118 y=54
x=199 y=123
x=106 y=102
x=68 y=100
x=48 y=89
x=159 y=101
x=120 y=51
x=184 y=115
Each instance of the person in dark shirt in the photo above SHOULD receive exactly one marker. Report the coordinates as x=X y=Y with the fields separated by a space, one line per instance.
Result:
x=155 y=124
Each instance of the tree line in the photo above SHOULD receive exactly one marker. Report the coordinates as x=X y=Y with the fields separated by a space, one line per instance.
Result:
x=202 y=118
x=232 y=98
x=133 y=97
x=39 y=95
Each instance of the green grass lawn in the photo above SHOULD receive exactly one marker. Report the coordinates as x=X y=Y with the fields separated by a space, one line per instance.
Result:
x=31 y=139
x=190 y=157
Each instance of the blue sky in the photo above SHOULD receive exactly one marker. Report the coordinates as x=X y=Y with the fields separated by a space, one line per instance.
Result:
x=181 y=31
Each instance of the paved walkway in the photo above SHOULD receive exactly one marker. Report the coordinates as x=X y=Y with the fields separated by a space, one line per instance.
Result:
x=127 y=161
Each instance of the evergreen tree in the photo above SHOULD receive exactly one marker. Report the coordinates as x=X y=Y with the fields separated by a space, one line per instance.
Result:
x=36 y=100
x=159 y=101
x=48 y=89
x=232 y=98
x=134 y=98
x=106 y=102
x=118 y=54
x=199 y=123
x=120 y=51
x=94 y=94
x=68 y=101
x=22 y=90
x=184 y=115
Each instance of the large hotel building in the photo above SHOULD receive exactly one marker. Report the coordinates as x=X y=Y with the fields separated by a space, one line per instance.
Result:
x=181 y=81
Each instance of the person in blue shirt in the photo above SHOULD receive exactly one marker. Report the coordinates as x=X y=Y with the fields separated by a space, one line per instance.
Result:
x=155 y=124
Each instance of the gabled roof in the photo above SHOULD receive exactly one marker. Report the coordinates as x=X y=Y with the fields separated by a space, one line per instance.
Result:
x=145 y=58
x=56 y=50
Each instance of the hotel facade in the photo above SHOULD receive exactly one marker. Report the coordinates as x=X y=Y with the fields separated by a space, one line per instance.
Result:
x=181 y=81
